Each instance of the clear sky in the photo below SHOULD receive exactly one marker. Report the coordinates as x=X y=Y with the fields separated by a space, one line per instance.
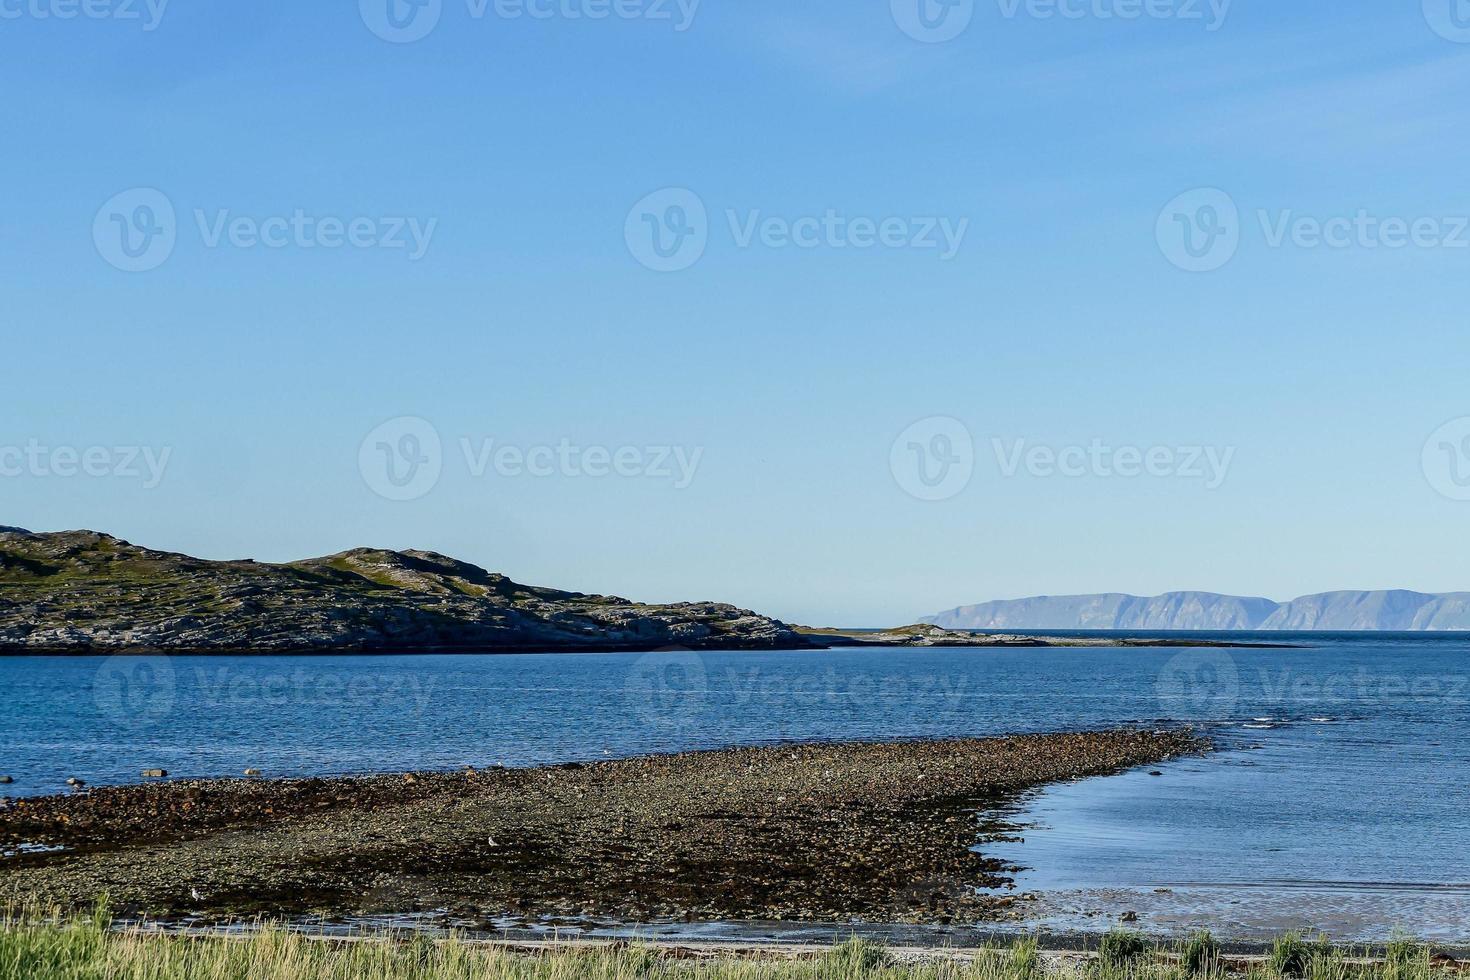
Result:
x=920 y=291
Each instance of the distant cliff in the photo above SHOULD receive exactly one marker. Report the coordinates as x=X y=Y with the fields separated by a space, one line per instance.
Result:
x=1384 y=610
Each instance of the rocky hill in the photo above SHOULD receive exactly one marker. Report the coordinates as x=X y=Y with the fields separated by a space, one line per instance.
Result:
x=85 y=592
x=1374 y=610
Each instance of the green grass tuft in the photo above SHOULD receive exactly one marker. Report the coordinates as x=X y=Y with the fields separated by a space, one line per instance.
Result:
x=1025 y=958
x=1121 y=948
x=1293 y=955
x=34 y=947
x=855 y=957
x=1201 y=954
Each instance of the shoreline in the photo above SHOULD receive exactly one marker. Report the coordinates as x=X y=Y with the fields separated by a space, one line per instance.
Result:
x=816 y=641
x=801 y=832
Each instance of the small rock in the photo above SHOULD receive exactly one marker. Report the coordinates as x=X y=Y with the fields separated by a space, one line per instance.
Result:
x=1155 y=772
x=252 y=772
x=155 y=773
x=74 y=781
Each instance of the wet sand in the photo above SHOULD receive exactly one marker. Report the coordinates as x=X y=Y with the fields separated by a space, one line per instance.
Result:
x=831 y=832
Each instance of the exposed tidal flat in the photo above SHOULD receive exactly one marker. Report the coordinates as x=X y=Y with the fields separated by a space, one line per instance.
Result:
x=823 y=832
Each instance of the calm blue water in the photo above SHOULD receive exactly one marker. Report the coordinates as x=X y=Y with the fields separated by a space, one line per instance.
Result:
x=1342 y=799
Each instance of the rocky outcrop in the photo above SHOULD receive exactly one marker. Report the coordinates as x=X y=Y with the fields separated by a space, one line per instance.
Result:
x=86 y=592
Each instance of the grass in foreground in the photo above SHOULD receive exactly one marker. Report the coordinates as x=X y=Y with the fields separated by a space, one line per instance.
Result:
x=89 y=949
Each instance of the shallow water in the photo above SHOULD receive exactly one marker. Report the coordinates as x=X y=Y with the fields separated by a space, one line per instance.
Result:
x=1340 y=800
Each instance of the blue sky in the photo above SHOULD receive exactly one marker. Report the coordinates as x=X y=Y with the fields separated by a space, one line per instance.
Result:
x=800 y=385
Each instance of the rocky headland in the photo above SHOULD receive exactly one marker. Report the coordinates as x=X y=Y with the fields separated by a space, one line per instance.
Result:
x=85 y=592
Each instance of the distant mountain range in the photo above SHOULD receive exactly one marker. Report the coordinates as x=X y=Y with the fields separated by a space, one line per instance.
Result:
x=1383 y=610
